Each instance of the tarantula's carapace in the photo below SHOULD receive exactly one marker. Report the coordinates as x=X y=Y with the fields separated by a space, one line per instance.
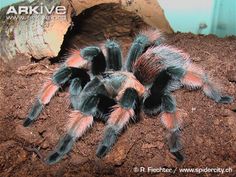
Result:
x=102 y=89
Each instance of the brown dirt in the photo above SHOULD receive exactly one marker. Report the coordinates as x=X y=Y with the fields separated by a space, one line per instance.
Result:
x=209 y=129
x=208 y=133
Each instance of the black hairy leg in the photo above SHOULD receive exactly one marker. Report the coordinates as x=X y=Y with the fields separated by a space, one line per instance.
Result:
x=82 y=117
x=119 y=118
x=172 y=123
x=161 y=85
x=75 y=66
x=196 y=78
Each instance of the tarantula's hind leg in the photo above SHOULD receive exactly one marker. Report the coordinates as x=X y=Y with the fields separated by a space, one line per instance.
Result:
x=118 y=119
x=196 y=78
x=172 y=123
x=164 y=83
x=78 y=124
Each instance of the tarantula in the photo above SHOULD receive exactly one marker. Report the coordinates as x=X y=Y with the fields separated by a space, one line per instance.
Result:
x=102 y=89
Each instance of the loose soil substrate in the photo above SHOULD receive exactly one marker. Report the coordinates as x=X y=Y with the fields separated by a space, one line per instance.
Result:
x=208 y=133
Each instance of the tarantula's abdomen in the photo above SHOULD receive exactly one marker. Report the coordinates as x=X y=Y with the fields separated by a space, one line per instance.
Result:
x=155 y=59
x=147 y=67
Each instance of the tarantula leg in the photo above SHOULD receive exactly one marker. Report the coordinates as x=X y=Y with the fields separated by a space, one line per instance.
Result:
x=60 y=77
x=144 y=40
x=164 y=83
x=82 y=118
x=119 y=118
x=114 y=55
x=137 y=48
x=97 y=58
x=195 y=78
x=74 y=66
x=172 y=123
x=74 y=90
x=78 y=124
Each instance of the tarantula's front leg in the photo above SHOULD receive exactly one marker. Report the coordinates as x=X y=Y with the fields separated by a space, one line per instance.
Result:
x=195 y=78
x=79 y=123
x=89 y=106
x=142 y=41
x=74 y=67
x=119 y=118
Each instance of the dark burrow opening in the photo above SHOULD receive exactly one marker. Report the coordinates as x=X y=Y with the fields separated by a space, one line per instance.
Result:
x=98 y=23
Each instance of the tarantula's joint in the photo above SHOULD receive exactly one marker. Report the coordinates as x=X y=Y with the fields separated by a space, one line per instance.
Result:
x=168 y=103
x=179 y=156
x=77 y=126
x=152 y=105
x=62 y=75
x=74 y=90
x=159 y=98
x=175 y=72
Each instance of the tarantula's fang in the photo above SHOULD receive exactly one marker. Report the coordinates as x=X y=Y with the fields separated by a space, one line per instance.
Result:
x=114 y=55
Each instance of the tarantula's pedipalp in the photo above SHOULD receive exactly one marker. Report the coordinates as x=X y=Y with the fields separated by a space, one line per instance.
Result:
x=114 y=55
x=119 y=118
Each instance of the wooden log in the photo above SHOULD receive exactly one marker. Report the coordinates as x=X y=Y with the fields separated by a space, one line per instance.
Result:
x=41 y=35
